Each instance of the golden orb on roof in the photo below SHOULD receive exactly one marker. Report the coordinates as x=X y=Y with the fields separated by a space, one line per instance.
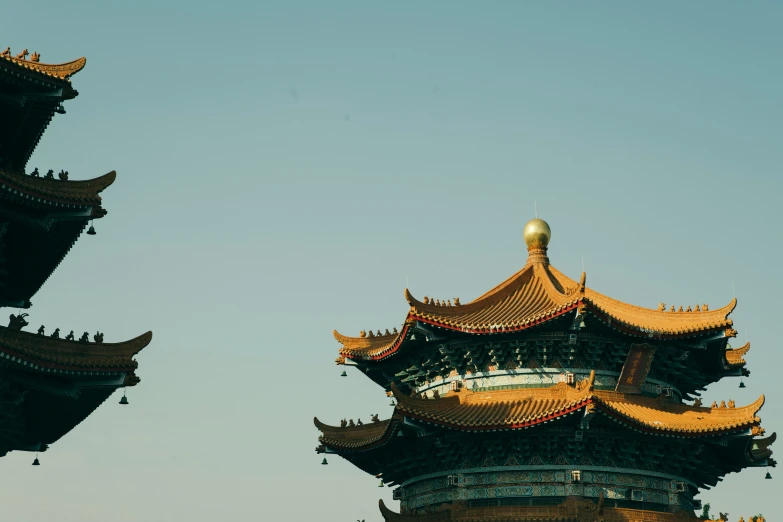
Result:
x=537 y=234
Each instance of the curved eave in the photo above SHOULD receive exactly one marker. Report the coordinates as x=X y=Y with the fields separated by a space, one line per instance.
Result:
x=77 y=192
x=734 y=356
x=46 y=354
x=356 y=438
x=637 y=413
x=738 y=422
x=760 y=450
x=62 y=71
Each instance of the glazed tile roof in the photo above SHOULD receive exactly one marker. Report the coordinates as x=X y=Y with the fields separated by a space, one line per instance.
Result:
x=734 y=355
x=77 y=192
x=44 y=353
x=526 y=407
x=353 y=436
x=61 y=71
x=535 y=294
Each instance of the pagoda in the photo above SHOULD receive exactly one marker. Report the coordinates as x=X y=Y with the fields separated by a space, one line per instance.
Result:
x=545 y=400
x=50 y=380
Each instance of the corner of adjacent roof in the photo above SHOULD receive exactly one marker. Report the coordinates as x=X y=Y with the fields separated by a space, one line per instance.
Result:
x=412 y=301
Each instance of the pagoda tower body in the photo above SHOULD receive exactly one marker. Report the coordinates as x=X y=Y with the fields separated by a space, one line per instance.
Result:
x=545 y=400
x=50 y=379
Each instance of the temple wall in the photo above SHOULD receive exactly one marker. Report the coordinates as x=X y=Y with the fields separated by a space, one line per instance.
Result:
x=504 y=483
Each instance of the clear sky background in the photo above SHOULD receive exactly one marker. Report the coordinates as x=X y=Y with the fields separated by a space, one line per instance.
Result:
x=284 y=168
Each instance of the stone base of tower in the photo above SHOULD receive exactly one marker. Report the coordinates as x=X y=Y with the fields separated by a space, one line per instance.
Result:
x=572 y=510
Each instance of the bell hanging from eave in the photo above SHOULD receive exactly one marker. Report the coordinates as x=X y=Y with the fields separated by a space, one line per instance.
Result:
x=37 y=463
x=768 y=476
x=381 y=484
x=391 y=403
x=124 y=399
x=742 y=383
x=91 y=231
x=323 y=462
x=343 y=374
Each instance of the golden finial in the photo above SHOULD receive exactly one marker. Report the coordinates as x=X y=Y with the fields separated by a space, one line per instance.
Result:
x=537 y=235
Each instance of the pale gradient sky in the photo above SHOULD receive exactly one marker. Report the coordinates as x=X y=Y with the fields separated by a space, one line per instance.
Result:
x=285 y=167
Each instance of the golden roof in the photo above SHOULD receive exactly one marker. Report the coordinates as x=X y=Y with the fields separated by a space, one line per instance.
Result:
x=80 y=192
x=62 y=71
x=535 y=294
x=46 y=352
x=522 y=408
x=734 y=355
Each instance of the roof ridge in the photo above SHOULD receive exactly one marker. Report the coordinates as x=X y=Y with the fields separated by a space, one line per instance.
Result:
x=61 y=71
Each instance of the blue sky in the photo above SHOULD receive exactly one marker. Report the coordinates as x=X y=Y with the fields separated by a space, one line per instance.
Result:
x=285 y=167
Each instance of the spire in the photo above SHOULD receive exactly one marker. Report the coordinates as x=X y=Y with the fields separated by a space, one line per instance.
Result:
x=537 y=234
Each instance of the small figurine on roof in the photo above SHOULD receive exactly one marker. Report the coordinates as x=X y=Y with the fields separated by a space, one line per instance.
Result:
x=85 y=338
x=63 y=175
x=17 y=322
x=41 y=330
x=6 y=53
x=50 y=174
x=22 y=55
x=55 y=334
x=35 y=57
x=35 y=173
x=69 y=337
x=98 y=337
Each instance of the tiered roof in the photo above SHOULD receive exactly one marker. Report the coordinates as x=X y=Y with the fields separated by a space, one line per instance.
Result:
x=524 y=408
x=536 y=294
